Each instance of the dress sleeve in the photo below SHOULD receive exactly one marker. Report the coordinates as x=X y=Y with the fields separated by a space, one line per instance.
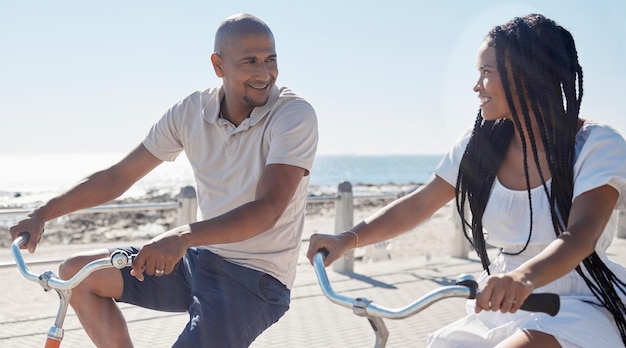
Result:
x=448 y=168
x=601 y=160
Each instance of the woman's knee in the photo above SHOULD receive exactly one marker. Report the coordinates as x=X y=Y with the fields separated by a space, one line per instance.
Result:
x=530 y=338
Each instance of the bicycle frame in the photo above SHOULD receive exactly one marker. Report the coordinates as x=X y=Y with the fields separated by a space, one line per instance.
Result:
x=50 y=281
x=466 y=287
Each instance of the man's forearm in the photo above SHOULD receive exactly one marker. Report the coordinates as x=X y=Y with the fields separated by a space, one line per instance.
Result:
x=88 y=193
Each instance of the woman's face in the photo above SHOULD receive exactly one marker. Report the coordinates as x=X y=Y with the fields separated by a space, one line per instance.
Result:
x=489 y=85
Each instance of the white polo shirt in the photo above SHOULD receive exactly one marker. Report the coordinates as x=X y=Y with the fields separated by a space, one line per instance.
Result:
x=228 y=161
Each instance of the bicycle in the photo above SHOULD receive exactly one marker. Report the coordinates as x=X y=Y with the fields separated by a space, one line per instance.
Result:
x=465 y=287
x=50 y=281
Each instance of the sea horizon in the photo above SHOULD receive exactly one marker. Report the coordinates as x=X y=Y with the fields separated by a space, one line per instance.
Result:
x=31 y=178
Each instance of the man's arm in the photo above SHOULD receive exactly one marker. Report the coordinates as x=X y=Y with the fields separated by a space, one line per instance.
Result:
x=275 y=190
x=96 y=189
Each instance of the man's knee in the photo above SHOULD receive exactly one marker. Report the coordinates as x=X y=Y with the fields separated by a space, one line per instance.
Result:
x=104 y=282
x=72 y=265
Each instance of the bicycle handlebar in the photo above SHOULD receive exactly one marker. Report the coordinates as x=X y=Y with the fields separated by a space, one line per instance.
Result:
x=466 y=287
x=48 y=280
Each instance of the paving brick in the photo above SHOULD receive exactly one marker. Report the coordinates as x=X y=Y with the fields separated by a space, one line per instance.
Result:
x=26 y=312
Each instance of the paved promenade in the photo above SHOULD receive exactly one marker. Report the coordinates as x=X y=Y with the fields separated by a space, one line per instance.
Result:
x=26 y=312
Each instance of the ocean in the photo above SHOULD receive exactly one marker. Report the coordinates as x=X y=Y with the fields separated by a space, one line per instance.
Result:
x=362 y=170
x=26 y=180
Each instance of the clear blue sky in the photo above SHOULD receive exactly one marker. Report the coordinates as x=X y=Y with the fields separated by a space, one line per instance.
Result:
x=385 y=77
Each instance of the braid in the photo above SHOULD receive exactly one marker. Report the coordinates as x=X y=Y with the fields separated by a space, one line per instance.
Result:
x=479 y=166
x=519 y=86
x=538 y=57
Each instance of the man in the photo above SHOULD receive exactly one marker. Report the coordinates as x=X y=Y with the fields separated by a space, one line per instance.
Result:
x=251 y=145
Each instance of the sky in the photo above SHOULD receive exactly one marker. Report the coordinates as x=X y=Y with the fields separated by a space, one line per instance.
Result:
x=385 y=77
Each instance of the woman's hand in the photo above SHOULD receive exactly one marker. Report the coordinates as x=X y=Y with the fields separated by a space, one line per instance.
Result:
x=504 y=292
x=336 y=245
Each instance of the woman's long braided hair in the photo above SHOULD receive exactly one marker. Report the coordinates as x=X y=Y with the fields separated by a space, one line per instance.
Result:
x=538 y=57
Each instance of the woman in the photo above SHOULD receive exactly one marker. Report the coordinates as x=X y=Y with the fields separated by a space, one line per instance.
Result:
x=541 y=184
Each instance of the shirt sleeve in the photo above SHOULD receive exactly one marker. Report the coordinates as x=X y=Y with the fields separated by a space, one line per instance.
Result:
x=448 y=168
x=294 y=135
x=601 y=160
x=164 y=140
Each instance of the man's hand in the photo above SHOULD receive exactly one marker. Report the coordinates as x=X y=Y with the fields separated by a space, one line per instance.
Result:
x=32 y=225
x=162 y=254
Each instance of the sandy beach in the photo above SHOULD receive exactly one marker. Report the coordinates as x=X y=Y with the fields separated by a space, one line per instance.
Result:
x=429 y=239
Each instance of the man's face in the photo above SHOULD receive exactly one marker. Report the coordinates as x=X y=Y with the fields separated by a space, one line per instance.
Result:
x=249 y=69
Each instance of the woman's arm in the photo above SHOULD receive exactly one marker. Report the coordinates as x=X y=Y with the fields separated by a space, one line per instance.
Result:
x=589 y=215
x=400 y=216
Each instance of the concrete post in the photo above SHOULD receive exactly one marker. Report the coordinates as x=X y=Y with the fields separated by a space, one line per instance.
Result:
x=188 y=210
x=621 y=223
x=344 y=220
x=460 y=246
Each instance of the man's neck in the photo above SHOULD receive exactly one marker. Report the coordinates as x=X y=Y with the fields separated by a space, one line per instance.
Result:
x=232 y=115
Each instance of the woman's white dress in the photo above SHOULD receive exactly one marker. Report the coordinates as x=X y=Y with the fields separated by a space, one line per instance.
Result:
x=581 y=321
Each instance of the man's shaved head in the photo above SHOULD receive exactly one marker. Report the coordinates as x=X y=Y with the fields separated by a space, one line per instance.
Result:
x=236 y=26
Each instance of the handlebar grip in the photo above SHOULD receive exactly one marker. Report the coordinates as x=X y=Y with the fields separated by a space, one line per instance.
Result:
x=25 y=238
x=544 y=302
x=324 y=252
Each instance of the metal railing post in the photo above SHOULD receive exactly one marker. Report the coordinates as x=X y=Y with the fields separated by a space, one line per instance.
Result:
x=344 y=220
x=188 y=210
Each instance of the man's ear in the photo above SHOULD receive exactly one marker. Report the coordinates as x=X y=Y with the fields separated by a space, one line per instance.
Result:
x=217 y=62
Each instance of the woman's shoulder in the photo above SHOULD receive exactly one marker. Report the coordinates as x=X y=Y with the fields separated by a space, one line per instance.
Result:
x=594 y=131
x=599 y=144
x=600 y=159
x=595 y=126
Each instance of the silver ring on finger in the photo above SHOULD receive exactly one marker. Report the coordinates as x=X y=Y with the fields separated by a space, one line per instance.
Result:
x=159 y=272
